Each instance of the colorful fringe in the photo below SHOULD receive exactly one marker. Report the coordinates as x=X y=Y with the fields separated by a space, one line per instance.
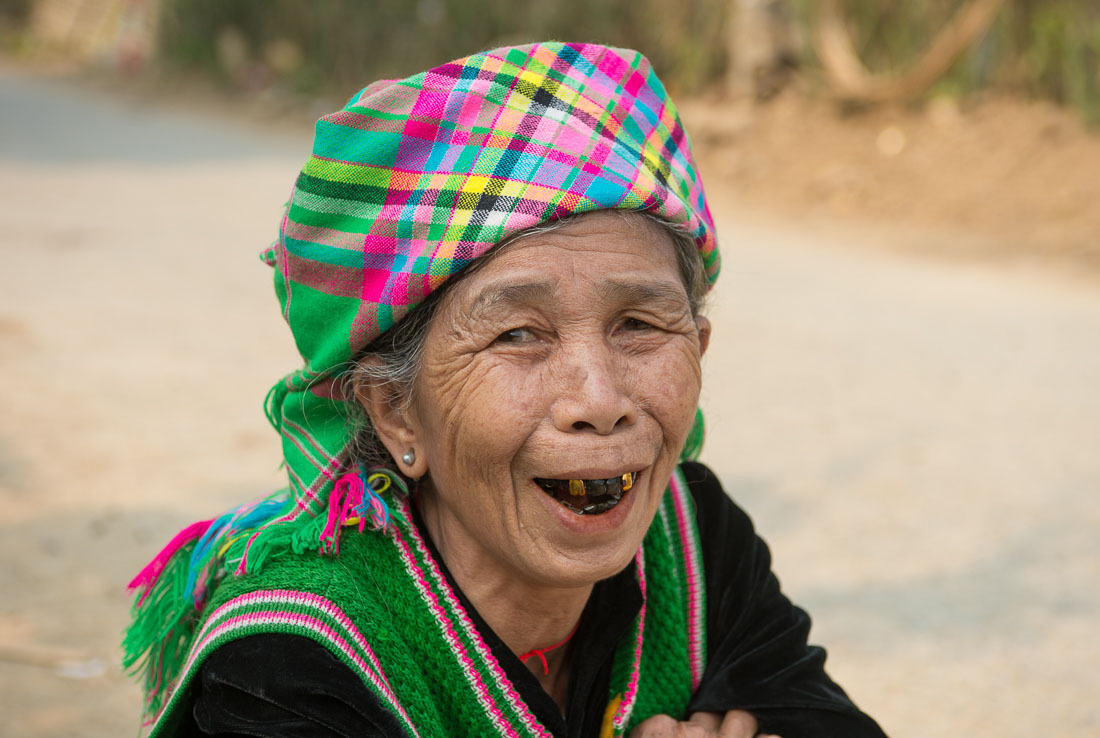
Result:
x=173 y=587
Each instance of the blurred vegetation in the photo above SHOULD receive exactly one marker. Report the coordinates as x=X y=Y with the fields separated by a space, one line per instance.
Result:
x=1045 y=48
x=342 y=44
x=14 y=14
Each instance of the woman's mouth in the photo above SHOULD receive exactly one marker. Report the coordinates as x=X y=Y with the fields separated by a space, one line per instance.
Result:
x=588 y=496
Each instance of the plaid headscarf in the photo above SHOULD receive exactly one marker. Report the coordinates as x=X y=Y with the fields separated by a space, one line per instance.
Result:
x=412 y=181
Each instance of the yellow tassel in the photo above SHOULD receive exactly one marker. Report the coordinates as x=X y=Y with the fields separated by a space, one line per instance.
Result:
x=607 y=728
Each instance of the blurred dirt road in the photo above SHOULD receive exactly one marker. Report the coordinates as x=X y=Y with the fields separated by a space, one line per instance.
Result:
x=918 y=440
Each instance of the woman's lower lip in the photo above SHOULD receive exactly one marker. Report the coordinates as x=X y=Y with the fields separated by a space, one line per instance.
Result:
x=590 y=524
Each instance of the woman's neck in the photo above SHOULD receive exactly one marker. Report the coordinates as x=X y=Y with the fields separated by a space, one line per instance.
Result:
x=526 y=616
x=527 y=619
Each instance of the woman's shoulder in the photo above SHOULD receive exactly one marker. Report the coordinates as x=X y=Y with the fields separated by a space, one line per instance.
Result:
x=331 y=599
x=304 y=613
x=311 y=575
x=703 y=483
x=715 y=510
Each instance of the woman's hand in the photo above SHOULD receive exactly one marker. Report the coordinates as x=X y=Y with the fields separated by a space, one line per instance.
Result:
x=734 y=724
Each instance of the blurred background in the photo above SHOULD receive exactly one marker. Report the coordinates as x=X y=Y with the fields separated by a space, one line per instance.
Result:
x=903 y=388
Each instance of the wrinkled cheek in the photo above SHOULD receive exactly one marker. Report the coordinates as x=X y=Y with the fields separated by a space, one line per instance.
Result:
x=673 y=396
x=485 y=425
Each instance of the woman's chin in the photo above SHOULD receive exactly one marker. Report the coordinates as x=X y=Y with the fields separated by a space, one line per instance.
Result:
x=581 y=549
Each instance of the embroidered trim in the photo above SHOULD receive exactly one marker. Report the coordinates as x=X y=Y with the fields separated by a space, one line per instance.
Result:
x=626 y=705
x=693 y=571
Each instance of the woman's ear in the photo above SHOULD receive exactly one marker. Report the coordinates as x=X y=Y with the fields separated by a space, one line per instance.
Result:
x=395 y=427
x=702 y=326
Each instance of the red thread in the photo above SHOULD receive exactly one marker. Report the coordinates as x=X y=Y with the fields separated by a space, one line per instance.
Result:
x=541 y=652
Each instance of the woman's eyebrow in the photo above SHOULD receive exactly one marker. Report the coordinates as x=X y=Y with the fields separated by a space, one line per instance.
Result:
x=663 y=294
x=507 y=293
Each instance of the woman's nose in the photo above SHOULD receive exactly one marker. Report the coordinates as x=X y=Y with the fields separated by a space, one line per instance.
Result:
x=593 y=396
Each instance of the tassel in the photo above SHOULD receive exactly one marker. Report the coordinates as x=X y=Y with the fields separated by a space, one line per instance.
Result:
x=373 y=504
x=354 y=500
x=607 y=727
x=175 y=586
x=347 y=492
x=157 y=640
x=148 y=576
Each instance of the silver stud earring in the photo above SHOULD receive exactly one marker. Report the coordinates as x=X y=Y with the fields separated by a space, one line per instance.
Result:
x=408 y=457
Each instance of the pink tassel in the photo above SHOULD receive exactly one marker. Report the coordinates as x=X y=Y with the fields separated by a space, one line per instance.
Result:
x=345 y=497
x=148 y=576
x=352 y=497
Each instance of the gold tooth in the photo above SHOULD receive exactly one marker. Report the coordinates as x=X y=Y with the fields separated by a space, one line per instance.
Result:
x=628 y=481
x=576 y=487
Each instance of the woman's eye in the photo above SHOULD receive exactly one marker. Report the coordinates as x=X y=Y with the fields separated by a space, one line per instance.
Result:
x=515 y=335
x=636 y=324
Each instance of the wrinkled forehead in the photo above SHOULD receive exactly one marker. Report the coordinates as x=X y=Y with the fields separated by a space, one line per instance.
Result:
x=617 y=258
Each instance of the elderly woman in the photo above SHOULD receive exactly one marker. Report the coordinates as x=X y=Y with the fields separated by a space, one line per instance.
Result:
x=494 y=272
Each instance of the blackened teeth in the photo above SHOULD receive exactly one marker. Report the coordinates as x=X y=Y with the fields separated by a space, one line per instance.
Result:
x=588 y=496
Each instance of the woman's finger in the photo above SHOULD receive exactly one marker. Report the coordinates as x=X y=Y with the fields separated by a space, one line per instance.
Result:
x=699 y=725
x=658 y=726
x=709 y=721
x=738 y=724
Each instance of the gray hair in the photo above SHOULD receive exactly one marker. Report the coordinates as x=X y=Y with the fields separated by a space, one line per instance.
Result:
x=392 y=360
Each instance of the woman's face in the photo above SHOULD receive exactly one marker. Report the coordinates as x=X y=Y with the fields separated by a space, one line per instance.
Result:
x=571 y=355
